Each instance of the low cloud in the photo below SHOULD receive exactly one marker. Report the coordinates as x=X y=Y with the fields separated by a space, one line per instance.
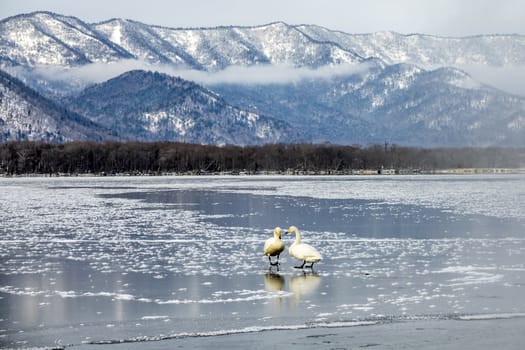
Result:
x=274 y=74
x=90 y=73
x=265 y=74
x=510 y=79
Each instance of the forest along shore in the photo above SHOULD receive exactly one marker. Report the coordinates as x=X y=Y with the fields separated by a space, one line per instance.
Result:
x=352 y=172
x=174 y=158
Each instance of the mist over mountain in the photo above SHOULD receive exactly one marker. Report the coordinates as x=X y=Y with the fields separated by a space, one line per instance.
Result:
x=400 y=104
x=268 y=83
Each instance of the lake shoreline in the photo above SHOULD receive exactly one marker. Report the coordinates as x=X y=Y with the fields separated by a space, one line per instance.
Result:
x=350 y=172
x=506 y=333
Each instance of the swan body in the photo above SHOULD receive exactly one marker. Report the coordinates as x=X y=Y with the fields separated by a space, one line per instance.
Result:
x=303 y=251
x=274 y=246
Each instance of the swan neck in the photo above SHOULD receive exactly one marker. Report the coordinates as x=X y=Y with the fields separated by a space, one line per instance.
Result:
x=297 y=236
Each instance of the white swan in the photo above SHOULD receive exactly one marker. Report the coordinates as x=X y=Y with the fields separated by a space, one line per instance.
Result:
x=274 y=246
x=303 y=251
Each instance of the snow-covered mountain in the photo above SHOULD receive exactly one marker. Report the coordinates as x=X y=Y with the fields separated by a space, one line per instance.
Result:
x=44 y=38
x=400 y=104
x=403 y=92
x=217 y=48
x=26 y=115
x=50 y=39
x=427 y=50
x=148 y=106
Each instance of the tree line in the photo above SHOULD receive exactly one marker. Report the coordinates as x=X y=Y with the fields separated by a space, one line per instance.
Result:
x=26 y=157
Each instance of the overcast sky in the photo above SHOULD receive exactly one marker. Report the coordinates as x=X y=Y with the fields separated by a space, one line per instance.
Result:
x=438 y=17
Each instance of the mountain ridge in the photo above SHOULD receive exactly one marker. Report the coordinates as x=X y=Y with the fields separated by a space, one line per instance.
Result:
x=407 y=90
x=347 y=42
x=376 y=104
x=29 y=116
x=152 y=106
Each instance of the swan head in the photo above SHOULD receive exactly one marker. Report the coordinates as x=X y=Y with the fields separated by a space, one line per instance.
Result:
x=277 y=232
x=291 y=229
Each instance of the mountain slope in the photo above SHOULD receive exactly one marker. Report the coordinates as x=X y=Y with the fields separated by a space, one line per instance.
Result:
x=217 y=48
x=26 y=115
x=401 y=104
x=52 y=39
x=428 y=50
x=143 y=41
x=148 y=106
x=44 y=38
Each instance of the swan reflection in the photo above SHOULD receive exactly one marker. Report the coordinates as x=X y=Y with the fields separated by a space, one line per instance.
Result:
x=273 y=282
x=304 y=284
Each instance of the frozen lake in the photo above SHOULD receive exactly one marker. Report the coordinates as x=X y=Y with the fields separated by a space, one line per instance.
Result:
x=87 y=261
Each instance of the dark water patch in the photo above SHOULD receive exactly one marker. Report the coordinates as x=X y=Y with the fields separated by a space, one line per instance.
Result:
x=352 y=217
x=94 y=187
